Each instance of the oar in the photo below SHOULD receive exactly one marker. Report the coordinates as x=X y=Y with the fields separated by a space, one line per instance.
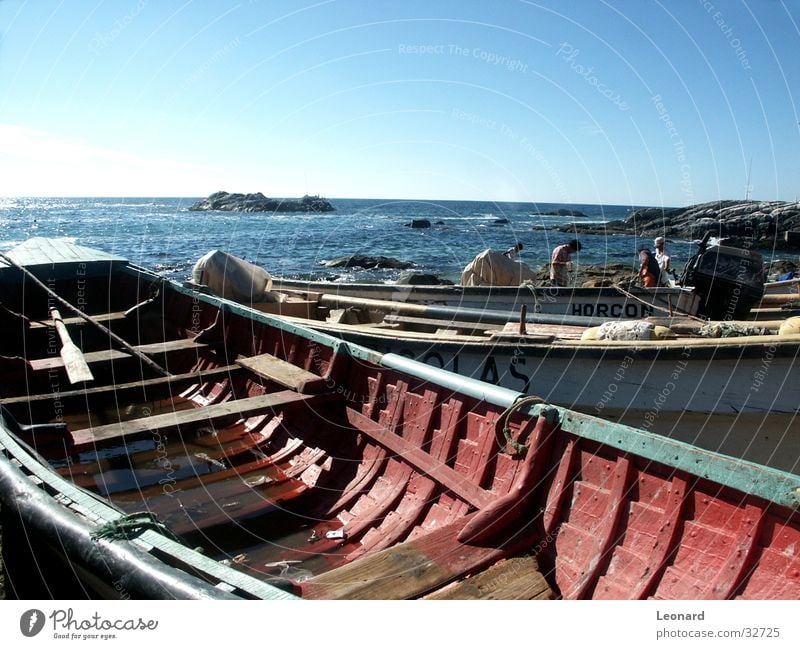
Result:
x=128 y=348
x=74 y=362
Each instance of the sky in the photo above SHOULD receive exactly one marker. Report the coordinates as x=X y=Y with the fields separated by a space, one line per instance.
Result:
x=630 y=102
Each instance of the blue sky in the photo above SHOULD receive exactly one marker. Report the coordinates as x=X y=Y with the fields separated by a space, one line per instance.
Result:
x=617 y=101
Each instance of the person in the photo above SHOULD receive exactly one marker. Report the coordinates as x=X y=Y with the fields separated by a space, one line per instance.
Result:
x=513 y=252
x=663 y=260
x=561 y=262
x=648 y=268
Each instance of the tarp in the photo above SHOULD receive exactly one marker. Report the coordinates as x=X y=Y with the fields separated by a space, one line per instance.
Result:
x=493 y=268
x=233 y=278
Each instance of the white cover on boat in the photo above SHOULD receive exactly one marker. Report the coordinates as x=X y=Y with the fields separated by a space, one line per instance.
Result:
x=493 y=268
x=626 y=330
x=232 y=278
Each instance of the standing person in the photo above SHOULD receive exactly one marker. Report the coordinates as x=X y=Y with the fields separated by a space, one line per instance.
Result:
x=513 y=252
x=561 y=262
x=663 y=260
x=648 y=268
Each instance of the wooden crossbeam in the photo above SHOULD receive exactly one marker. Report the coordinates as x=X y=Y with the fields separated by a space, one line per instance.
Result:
x=102 y=317
x=168 y=385
x=220 y=414
x=422 y=461
x=110 y=355
x=282 y=372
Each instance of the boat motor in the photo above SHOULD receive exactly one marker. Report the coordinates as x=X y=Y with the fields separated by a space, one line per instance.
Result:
x=729 y=281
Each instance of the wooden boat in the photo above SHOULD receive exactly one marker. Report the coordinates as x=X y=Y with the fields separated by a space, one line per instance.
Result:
x=306 y=466
x=573 y=302
x=729 y=384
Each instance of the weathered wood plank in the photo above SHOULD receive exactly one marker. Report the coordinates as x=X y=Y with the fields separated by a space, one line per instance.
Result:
x=440 y=324
x=282 y=372
x=163 y=385
x=413 y=568
x=219 y=414
x=422 y=461
x=100 y=317
x=515 y=578
x=110 y=355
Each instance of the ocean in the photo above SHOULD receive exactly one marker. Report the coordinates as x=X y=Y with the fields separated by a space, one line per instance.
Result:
x=162 y=234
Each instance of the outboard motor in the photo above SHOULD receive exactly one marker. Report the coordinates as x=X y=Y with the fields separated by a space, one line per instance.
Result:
x=729 y=281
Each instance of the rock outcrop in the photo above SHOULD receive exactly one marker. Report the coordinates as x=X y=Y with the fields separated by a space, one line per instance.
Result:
x=367 y=261
x=421 y=279
x=741 y=223
x=227 y=202
x=564 y=212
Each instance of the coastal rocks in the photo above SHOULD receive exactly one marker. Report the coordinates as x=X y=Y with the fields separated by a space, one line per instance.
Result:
x=594 y=275
x=418 y=223
x=740 y=223
x=421 y=279
x=564 y=212
x=227 y=202
x=367 y=261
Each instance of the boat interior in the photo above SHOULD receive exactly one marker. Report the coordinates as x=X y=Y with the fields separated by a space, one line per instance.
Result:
x=321 y=468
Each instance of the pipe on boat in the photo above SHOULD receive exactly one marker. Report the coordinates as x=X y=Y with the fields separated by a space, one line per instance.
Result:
x=465 y=314
x=474 y=388
x=141 y=573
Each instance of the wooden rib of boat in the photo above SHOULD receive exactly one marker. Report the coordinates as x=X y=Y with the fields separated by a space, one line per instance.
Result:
x=306 y=466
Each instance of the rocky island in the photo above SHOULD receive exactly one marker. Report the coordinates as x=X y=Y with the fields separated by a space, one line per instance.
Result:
x=743 y=223
x=227 y=202
x=367 y=261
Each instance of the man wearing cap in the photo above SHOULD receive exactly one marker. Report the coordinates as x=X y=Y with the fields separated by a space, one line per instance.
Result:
x=561 y=261
x=663 y=259
x=513 y=252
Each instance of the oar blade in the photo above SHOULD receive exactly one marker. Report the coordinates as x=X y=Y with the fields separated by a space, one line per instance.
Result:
x=75 y=364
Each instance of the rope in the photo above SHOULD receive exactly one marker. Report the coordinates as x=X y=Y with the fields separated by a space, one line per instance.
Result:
x=529 y=285
x=631 y=296
x=131 y=526
x=23 y=317
x=503 y=433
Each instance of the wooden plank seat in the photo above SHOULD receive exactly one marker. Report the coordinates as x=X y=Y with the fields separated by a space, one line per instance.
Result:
x=220 y=414
x=283 y=373
x=161 y=387
x=100 y=317
x=110 y=355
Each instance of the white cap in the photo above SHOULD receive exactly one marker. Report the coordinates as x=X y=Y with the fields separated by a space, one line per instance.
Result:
x=659 y=241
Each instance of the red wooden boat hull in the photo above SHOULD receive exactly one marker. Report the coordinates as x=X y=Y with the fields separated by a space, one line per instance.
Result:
x=379 y=477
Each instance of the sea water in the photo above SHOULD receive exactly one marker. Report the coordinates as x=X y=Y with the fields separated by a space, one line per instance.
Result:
x=164 y=235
